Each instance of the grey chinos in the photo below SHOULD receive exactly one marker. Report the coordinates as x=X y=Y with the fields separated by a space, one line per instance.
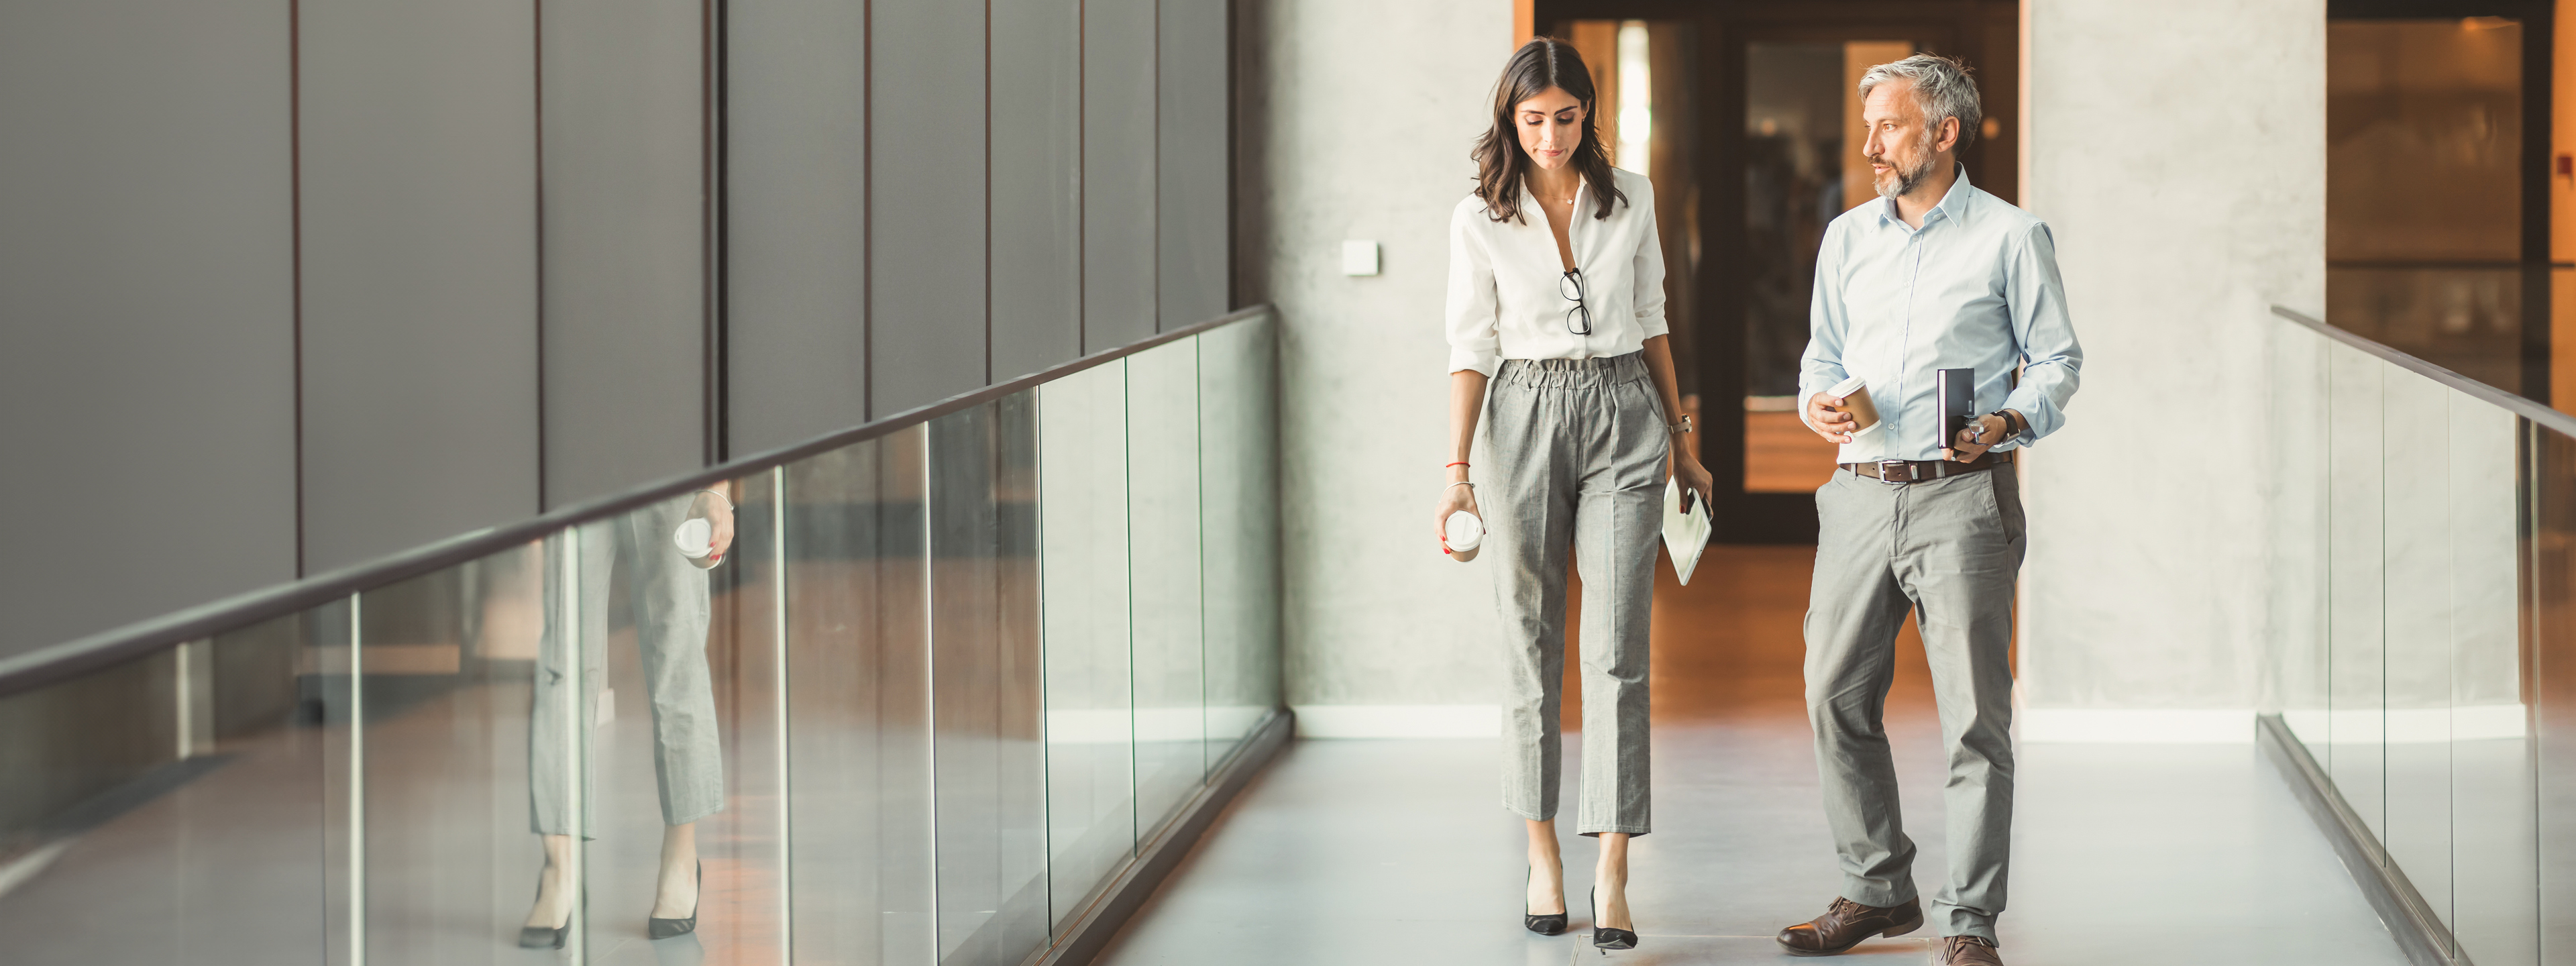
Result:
x=1948 y=550
x=1579 y=448
x=670 y=597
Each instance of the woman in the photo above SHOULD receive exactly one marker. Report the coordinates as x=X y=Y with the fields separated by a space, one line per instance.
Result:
x=670 y=596
x=1556 y=302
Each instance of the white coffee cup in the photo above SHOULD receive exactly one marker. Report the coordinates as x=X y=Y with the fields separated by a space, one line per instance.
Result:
x=695 y=538
x=1466 y=533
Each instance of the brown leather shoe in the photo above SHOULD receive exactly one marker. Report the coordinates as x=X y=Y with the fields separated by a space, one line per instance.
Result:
x=1968 y=951
x=1846 y=923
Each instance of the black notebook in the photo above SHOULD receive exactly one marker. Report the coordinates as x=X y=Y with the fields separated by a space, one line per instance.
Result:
x=1957 y=390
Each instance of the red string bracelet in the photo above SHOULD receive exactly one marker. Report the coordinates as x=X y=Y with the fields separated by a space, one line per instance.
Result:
x=1459 y=463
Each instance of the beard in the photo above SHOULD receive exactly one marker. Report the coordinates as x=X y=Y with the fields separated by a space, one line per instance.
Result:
x=1901 y=178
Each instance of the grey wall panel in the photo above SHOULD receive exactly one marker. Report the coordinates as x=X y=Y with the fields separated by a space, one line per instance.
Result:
x=796 y=219
x=146 y=310
x=419 y=345
x=1037 y=184
x=926 y=289
x=1192 y=162
x=1119 y=184
x=624 y=241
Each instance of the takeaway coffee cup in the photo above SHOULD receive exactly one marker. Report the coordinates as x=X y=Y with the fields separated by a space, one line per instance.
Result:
x=696 y=536
x=1466 y=533
x=1855 y=396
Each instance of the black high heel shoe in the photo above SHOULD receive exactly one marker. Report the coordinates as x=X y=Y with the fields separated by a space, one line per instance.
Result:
x=1546 y=925
x=667 y=928
x=540 y=937
x=1604 y=937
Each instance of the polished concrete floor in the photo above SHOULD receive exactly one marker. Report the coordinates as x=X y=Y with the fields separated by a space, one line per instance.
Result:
x=1398 y=852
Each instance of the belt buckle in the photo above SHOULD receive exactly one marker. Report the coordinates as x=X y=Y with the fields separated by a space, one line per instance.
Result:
x=1885 y=465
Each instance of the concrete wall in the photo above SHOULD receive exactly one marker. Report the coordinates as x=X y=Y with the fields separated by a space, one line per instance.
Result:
x=2186 y=190
x=1373 y=616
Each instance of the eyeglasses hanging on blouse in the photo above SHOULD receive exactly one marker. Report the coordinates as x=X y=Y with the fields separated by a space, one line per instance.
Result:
x=1578 y=319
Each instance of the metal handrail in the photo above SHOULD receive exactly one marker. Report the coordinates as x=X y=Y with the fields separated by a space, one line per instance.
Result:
x=2562 y=423
x=73 y=658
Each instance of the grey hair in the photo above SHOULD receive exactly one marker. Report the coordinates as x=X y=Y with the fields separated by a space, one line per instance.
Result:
x=1941 y=87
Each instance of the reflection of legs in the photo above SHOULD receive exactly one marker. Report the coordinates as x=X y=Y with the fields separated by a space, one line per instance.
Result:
x=671 y=616
x=563 y=712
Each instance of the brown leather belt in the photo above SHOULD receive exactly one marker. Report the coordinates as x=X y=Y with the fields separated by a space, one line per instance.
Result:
x=1925 y=471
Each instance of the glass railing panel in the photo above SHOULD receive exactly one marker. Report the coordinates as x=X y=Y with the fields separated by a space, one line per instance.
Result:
x=2467 y=318
x=1163 y=539
x=2298 y=469
x=988 y=750
x=1090 y=712
x=2356 y=749
x=858 y=709
x=2495 y=913
x=2416 y=567
x=166 y=810
x=652 y=731
x=1239 y=495
x=448 y=763
x=2549 y=532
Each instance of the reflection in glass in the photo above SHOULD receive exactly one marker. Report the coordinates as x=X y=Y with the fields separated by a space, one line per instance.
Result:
x=1090 y=718
x=2416 y=619
x=859 y=703
x=2355 y=753
x=1163 y=537
x=988 y=756
x=166 y=810
x=1239 y=470
x=2549 y=475
x=2495 y=912
x=2298 y=600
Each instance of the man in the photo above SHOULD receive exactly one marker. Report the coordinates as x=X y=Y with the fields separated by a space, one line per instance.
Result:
x=1934 y=275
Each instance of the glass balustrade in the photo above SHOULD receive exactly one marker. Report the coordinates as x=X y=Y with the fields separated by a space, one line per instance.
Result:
x=2419 y=629
x=913 y=699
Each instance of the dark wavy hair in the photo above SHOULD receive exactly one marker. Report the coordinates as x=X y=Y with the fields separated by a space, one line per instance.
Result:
x=1542 y=63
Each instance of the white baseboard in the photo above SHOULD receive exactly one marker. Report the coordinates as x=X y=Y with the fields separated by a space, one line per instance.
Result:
x=2412 y=726
x=1399 y=720
x=2136 y=726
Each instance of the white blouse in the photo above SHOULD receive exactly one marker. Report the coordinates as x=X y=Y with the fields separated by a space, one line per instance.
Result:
x=1505 y=300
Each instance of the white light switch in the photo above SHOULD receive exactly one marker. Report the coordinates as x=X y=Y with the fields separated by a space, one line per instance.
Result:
x=1359 y=257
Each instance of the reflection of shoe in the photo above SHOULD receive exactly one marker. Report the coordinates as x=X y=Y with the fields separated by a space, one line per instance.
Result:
x=1545 y=924
x=1846 y=923
x=667 y=928
x=1604 y=937
x=1968 y=951
x=540 y=937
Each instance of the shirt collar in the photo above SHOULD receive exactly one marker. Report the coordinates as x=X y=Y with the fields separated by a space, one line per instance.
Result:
x=1953 y=204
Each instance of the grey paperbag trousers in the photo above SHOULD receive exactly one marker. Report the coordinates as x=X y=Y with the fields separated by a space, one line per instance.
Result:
x=671 y=612
x=1947 y=550
x=1577 y=448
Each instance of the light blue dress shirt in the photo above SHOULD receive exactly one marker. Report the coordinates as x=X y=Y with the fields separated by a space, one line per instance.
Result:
x=1975 y=287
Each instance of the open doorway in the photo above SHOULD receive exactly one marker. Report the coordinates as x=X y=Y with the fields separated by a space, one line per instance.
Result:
x=1740 y=114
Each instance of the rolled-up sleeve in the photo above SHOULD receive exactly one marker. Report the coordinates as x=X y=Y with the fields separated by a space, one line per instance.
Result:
x=1821 y=366
x=1472 y=312
x=2052 y=362
x=1649 y=268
